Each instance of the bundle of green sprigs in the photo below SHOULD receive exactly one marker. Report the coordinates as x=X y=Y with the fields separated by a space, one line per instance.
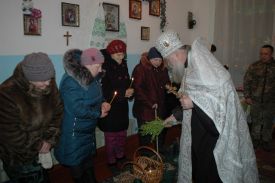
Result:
x=152 y=128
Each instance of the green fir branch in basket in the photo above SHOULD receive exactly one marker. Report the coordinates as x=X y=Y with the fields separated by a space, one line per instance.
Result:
x=152 y=128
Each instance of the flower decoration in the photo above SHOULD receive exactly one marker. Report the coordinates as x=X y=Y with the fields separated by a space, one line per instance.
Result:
x=36 y=13
x=28 y=9
x=27 y=5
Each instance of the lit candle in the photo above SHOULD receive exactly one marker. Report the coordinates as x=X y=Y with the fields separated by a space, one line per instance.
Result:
x=132 y=79
x=113 y=97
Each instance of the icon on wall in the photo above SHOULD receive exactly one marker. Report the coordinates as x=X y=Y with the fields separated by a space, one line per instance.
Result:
x=111 y=16
x=145 y=33
x=32 y=25
x=135 y=9
x=70 y=14
x=154 y=7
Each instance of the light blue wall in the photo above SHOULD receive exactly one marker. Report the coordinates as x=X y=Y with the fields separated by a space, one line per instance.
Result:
x=9 y=62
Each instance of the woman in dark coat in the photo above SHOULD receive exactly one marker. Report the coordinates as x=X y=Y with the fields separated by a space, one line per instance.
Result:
x=81 y=92
x=150 y=79
x=117 y=80
x=30 y=116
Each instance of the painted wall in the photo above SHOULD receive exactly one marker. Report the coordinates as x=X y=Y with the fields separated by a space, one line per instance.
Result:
x=14 y=44
x=52 y=40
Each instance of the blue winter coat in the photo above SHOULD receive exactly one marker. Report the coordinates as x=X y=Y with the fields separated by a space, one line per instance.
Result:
x=82 y=108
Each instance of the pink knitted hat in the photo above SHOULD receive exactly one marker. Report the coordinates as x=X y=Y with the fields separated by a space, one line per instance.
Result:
x=91 y=56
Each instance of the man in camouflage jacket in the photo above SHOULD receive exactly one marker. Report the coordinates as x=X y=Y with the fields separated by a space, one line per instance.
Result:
x=259 y=92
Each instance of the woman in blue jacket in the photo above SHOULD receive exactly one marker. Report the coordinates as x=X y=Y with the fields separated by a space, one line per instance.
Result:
x=81 y=92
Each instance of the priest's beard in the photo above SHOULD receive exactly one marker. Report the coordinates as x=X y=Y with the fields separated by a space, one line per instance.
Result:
x=37 y=92
x=177 y=70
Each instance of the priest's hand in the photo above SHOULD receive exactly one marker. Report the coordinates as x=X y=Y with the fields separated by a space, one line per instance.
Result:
x=168 y=122
x=186 y=102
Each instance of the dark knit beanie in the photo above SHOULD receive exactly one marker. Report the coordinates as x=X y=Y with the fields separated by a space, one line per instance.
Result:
x=116 y=46
x=153 y=53
x=37 y=67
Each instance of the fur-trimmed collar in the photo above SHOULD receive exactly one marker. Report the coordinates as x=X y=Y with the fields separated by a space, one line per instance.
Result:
x=19 y=77
x=74 y=69
x=25 y=86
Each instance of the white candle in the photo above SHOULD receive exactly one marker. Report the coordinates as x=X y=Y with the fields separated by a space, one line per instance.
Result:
x=113 y=97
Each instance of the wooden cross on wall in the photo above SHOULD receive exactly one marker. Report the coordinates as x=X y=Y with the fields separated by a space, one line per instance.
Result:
x=67 y=36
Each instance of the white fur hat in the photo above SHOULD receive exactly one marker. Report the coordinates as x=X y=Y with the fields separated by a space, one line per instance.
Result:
x=168 y=42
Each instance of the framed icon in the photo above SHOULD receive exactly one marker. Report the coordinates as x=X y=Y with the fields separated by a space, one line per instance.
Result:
x=32 y=25
x=135 y=9
x=145 y=33
x=111 y=12
x=70 y=14
x=154 y=7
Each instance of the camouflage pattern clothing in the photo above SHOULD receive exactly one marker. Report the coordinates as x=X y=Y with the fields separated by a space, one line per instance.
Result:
x=259 y=85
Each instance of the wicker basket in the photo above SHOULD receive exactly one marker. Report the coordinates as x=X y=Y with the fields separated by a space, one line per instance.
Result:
x=128 y=176
x=151 y=168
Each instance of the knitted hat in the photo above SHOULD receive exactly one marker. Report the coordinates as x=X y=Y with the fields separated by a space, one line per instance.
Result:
x=91 y=56
x=116 y=46
x=37 y=67
x=153 y=53
x=168 y=42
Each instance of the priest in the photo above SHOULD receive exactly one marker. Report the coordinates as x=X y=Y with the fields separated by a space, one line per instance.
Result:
x=215 y=142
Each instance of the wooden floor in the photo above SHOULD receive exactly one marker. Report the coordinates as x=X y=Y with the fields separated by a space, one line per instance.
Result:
x=60 y=174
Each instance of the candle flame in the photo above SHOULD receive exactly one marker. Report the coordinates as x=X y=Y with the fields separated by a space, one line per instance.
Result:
x=132 y=79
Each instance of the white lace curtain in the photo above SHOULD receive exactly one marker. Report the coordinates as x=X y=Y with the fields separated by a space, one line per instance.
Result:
x=241 y=28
